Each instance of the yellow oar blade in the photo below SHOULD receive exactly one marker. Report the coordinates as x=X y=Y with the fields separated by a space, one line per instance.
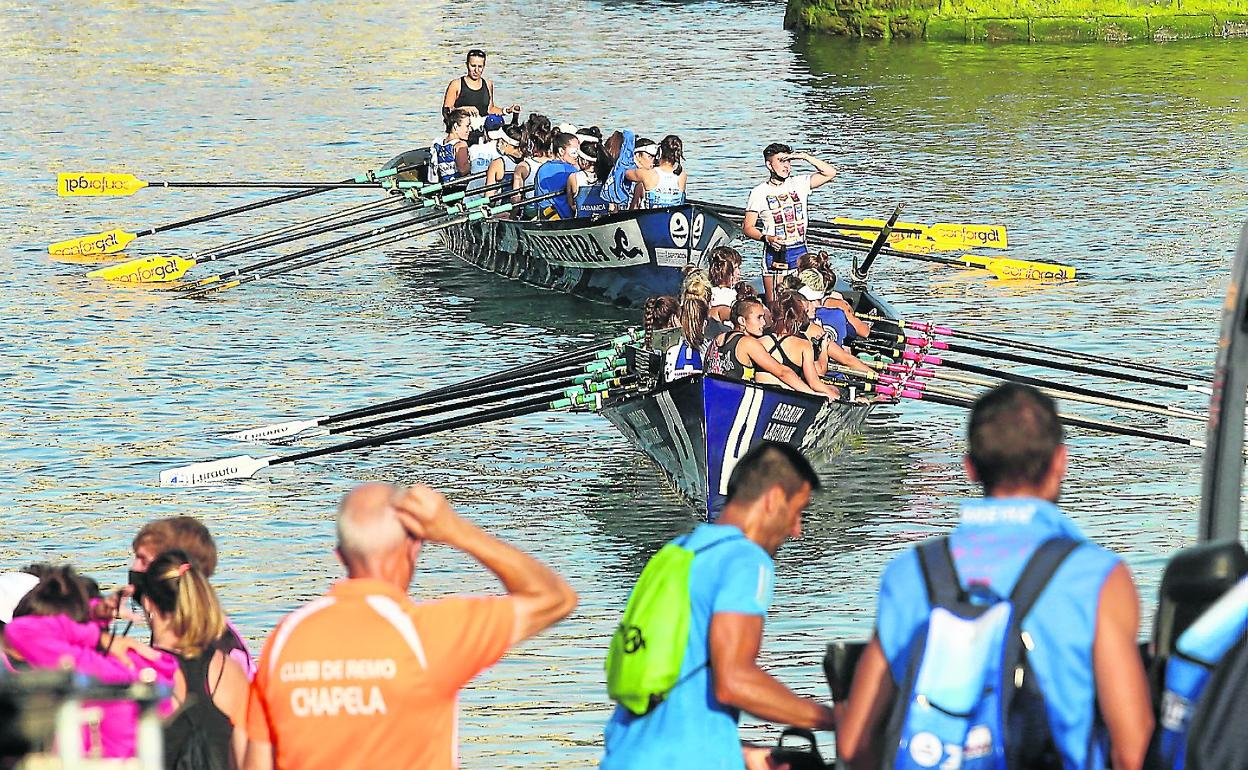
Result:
x=924 y=246
x=971 y=236
x=91 y=259
x=96 y=184
x=146 y=270
x=1021 y=270
x=109 y=242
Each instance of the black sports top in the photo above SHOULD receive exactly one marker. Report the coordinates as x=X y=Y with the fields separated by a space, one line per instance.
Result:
x=778 y=353
x=480 y=98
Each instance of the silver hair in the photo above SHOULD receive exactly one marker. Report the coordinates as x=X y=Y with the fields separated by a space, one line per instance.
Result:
x=368 y=526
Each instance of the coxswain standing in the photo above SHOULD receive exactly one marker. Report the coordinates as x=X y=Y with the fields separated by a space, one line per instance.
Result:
x=777 y=211
x=473 y=92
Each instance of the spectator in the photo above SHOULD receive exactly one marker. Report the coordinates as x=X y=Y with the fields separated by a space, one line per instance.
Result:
x=364 y=677
x=1080 y=635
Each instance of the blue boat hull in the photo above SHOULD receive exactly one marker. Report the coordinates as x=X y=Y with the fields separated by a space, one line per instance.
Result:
x=621 y=259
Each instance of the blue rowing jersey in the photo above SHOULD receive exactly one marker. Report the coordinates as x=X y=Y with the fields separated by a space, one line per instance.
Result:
x=994 y=539
x=553 y=177
x=835 y=321
x=589 y=201
x=442 y=168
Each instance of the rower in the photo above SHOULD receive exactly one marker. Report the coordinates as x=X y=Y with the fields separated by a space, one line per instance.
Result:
x=663 y=183
x=450 y=156
x=739 y=354
x=724 y=266
x=538 y=135
x=498 y=157
x=553 y=176
x=473 y=92
x=684 y=359
x=777 y=210
x=585 y=186
x=789 y=346
x=809 y=286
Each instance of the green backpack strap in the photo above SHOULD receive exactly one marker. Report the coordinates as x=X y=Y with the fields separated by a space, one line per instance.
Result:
x=647 y=649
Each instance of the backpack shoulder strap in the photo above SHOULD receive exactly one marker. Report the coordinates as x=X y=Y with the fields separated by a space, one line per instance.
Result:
x=1037 y=573
x=940 y=574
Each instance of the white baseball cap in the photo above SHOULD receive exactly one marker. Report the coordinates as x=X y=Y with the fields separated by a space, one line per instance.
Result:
x=810 y=293
x=568 y=128
x=13 y=588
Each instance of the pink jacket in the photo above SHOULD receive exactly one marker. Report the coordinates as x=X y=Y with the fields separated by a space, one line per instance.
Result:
x=55 y=641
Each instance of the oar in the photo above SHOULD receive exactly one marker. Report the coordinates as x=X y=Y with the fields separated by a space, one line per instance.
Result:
x=860 y=271
x=603 y=354
x=945 y=331
x=909 y=374
x=924 y=358
x=112 y=241
x=216 y=283
x=740 y=212
x=1001 y=355
x=245 y=466
x=966 y=400
x=96 y=184
x=1005 y=268
x=167 y=269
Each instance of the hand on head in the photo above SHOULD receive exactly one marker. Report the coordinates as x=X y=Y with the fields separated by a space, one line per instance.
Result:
x=425 y=513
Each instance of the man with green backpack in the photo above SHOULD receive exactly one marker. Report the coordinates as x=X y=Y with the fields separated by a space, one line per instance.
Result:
x=682 y=663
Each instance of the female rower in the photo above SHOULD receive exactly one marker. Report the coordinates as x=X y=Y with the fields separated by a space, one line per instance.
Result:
x=585 y=186
x=790 y=346
x=833 y=312
x=472 y=91
x=450 y=156
x=684 y=359
x=186 y=621
x=725 y=271
x=538 y=138
x=658 y=313
x=507 y=152
x=663 y=183
x=645 y=156
x=809 y=286
x=740 y=355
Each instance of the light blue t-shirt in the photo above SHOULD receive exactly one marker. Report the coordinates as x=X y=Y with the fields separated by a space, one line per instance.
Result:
x=691 y=728
x=993 y=541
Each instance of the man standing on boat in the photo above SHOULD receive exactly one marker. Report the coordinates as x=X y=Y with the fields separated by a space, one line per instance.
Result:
x=777 y=210
x=365 y=677
x=723 y=593
x=1079 y=635
x=473 y=92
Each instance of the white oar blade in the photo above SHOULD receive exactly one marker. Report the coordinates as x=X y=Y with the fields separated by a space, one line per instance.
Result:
x=275 y=432
x=241 y=467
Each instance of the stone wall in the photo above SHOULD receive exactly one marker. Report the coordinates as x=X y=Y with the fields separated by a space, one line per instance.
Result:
x=1021 y=20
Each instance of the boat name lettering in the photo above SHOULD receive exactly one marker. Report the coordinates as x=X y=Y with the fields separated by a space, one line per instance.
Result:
x=783 y=423
x=788 y=413
x=592 y=247
x=329 y=701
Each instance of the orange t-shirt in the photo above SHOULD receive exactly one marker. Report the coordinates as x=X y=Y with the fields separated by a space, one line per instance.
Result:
x=364 y=677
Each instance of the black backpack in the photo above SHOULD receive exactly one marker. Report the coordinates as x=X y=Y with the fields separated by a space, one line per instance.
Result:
x=1217 y=739
x=197 y=737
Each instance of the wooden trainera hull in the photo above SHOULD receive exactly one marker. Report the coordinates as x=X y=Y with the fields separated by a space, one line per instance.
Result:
x=695 y=429
x=621 y=259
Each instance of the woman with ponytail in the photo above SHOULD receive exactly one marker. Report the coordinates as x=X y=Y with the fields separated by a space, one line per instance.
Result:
x=684 y=359
x=209 y=689
x=664 y=183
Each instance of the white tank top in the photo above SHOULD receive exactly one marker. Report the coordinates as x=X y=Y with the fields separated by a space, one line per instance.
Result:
x=667 y=192
x=723 y=296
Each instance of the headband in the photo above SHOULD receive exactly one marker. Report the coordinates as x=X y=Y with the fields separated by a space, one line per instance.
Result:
x=590 y=138
x=649 y=149
x=502 y=135
x=584 y=157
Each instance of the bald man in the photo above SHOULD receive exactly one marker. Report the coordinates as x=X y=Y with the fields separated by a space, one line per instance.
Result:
x=363 y=676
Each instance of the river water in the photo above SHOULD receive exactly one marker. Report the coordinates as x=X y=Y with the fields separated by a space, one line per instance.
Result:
x=1129 y=162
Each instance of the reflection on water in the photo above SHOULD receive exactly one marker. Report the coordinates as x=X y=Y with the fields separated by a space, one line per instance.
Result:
x=1126 y=161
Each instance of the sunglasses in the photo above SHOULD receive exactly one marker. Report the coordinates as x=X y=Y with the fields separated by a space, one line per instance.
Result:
x=476 y=52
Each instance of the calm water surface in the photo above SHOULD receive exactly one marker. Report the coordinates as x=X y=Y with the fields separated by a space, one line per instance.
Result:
x=1129 y=162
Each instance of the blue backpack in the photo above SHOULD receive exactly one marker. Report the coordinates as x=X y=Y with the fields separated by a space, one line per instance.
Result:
x=1197 y=653
x=969 y=699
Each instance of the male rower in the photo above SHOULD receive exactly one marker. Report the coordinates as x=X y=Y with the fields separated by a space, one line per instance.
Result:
x=473 y=92
x=364 y=677
x=777 y=211
x=1080 y=633
x=730 y=582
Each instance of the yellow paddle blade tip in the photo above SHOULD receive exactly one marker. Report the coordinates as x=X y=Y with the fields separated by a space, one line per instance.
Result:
x=147 y=270
x=109 y=242
x=76 y=184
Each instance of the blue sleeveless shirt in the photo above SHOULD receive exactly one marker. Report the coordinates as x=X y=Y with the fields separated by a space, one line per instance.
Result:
x=991 y=544
x=834 y=320
x=589 y=201
x=551 y=177
x=442 y=164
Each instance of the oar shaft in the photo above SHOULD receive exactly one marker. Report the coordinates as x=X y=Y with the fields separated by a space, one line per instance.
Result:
x=236 y=210
x=552 y=382
x=274 y=237
x=277 y=185
x=811 y=223
x=1033 y=347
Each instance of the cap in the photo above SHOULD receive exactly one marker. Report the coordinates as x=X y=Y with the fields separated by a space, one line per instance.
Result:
x=492 y=122
x=13 y=588
x=649 y=148
x=813 y=279
x=567 y=128
x=807 y=292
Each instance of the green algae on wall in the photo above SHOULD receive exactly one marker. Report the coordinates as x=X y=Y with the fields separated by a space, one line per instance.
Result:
x=1022 y=20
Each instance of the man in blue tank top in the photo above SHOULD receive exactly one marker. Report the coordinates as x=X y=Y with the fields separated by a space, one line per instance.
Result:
x=730 y=589
x=1083 y=649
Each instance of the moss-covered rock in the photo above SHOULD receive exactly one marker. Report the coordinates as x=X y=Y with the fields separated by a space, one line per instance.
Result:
x=945 y=30
x=1123 y=29
x=998 y=30
x=1181 y=26
x=1064 y=29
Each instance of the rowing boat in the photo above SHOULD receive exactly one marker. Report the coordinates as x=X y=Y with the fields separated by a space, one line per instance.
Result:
x=696 y=428
x=620 y=259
